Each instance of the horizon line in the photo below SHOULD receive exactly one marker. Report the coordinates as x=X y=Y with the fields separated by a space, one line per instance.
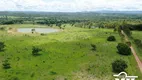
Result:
x=73 y=11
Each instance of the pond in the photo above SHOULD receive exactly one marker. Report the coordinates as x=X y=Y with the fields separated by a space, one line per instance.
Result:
x=39 y=30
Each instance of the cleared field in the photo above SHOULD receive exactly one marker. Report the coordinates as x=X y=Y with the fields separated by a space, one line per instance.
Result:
x=65 y=55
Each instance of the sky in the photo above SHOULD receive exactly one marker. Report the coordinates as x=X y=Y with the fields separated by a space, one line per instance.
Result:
x=70 y=5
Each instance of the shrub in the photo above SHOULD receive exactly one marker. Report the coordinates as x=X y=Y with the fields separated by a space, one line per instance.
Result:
x=119 y=66
x=2 y=46
x=123 y=49
x=93 y=47
x=2 y=28
x=111 y=38
x=6 y=64
x=33 y=74
x=52 y=73
x=42 y=34
x=35 y=51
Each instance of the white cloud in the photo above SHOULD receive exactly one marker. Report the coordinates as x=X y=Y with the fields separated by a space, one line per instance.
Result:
x=69 y=5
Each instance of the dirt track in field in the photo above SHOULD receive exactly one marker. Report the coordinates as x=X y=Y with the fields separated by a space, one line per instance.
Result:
x=139 y=62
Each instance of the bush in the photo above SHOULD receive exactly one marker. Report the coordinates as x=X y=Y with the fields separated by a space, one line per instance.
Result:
x=2 y=46
x=35 y=51
x=52 y=73
x=33 y=74
x=6 y=64
x=123 y=49
x=2 y=28
x=93 y=47
x=119 y=66
x=42 y=34
x=111 y=38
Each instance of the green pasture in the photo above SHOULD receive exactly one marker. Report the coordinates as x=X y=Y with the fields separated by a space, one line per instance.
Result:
x=65 y=55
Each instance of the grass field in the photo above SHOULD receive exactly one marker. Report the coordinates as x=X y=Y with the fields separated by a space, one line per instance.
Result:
x=66 y=55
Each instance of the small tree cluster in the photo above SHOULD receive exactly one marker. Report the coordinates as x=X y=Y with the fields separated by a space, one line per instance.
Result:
x=119 y=66
x=123 y=49
x=35 y=51
x=111 y=38
x=6 y=64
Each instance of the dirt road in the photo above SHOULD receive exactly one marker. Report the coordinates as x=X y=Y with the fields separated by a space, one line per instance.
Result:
x=134 y=53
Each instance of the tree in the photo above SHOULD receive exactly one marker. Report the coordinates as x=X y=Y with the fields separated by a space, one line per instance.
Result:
x=35 y=51
x=6 y=64
x=2 y=46
x=111 y=38
x=123 y=49
x=119 y=66
x=7 y=22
